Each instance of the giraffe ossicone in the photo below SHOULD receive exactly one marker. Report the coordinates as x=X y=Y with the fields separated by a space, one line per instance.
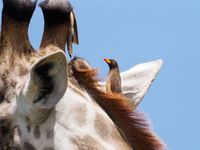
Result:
x=47 y=103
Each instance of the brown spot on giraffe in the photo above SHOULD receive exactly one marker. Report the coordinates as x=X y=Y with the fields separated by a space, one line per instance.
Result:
x=108 y=132
x=37 y=132
x=12 y=60
x=27 y=59
x=8 y=94
x=27 y=118
x=86 y=143
x=101 y=126
x=22 y=70
x=2 y=95
x=79 y=114
x=4 y=76
x=28 y=128
x=13 y=83
x=28 y=146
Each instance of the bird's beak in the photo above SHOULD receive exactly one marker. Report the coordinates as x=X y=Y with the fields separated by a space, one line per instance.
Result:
x=107 y=60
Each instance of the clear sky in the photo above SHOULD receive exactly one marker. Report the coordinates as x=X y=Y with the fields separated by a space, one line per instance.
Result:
x=136 y=31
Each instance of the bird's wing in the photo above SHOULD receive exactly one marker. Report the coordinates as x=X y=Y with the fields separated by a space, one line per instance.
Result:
x=116 y=85
x=137 y=80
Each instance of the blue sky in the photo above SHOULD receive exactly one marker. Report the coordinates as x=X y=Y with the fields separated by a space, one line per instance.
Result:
x=136 y=31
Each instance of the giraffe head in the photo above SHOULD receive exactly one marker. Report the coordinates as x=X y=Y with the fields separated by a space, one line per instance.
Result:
x=32 y=82
x=47 y=103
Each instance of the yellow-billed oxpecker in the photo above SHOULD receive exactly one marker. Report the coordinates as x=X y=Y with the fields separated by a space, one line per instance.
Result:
x=113 y=83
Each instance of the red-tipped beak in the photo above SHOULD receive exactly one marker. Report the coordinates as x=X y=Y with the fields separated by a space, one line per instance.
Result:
x=107 y=60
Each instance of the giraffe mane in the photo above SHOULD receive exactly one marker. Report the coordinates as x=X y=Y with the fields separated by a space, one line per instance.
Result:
x=132 y=124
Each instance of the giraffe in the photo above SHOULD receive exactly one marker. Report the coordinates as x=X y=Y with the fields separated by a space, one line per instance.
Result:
x=47 y=103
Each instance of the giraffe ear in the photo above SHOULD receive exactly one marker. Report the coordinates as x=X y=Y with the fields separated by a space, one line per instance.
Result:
x=137 y=80
x=48 y=80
